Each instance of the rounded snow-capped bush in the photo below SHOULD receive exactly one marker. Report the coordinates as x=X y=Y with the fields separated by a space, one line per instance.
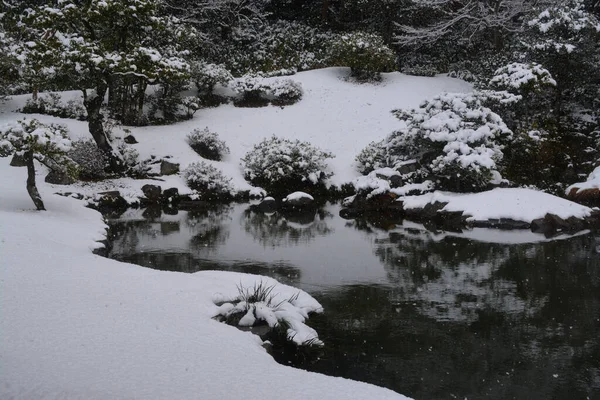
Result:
x=91 y=161
x=456 y=140
x=285 y=92
x=282 y=165
x=207 y=144
x=371 y=158
x=209 y=182
x=252 y=91
x=207 y=76
x=365 y=53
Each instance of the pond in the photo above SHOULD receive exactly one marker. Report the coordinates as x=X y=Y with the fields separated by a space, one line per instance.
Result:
x=432 y=315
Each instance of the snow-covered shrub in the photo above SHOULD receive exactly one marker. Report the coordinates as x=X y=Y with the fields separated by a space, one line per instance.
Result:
x=251 y=91
x=191 y=105
x=365 y=53
x=278 y=164
x=130 y=157
x=207 y=144
x=285 y=92
x=207 y=76
x=522 y=77
x=258 y=305
x=209 y=182
x=455 y=138
x=33 y=140
x=372 y=157
x=51 y=104
x=90 y=160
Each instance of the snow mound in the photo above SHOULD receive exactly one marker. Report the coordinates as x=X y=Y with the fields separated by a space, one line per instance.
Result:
x=515 y=203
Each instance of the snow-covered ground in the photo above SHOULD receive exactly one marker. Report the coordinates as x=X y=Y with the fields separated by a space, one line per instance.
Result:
x=77 y=325
x=338 y=116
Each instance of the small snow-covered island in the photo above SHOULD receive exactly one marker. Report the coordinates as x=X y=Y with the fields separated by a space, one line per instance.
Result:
x=284 y=199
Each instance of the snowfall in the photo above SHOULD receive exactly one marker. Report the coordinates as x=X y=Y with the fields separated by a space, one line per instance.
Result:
x=77 y=325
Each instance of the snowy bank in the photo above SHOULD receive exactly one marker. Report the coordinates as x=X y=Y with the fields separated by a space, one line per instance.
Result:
x=77 y=325
x=502 y=203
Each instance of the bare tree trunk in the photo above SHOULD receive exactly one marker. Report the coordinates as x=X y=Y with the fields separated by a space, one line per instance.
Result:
x=31 y=187
x=93 y=105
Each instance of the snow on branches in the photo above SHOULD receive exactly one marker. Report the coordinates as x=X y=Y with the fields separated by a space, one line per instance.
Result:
x=75 y=39
x=455 y=137
x=560 y=27
x=521 y=76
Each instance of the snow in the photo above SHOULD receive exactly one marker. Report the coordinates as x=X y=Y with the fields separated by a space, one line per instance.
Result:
x=518 y=204
x=592 y=182
x=77 y=325
x=298 y=196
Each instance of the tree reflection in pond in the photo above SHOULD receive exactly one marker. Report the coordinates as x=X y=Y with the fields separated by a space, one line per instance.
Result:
x=210 y=227
x=277 y=230
x=470 y=319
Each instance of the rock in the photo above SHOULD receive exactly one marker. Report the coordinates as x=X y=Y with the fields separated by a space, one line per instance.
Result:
x=112 y=203
x=552 y=224
x=130 y=139
x=168 y=168
x=58 y=178
x=588 y=197
x=407 y=167
x=152 y=192
x=502 y=223
x=361 y=202
x=17 y=161
x=298 y=200
x=450 y=220
x=268 y=205
x=396 y=181
x=257 y=194
x=170 y=195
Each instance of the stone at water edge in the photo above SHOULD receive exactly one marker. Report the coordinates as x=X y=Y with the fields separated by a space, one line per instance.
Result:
x=152 y=192
x=170 y=195
x=112 y=202
x=298 y=200
x=552 y=224
x=268 y=205
x=168 y=168
x=130 y=139
x=58 y=178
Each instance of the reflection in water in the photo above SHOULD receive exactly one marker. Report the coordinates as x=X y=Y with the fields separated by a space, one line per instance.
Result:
x=430 y=315
x=277 y=230
x=211 y=228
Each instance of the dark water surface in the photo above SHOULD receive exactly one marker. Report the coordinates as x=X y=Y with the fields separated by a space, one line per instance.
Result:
x=484 y=314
